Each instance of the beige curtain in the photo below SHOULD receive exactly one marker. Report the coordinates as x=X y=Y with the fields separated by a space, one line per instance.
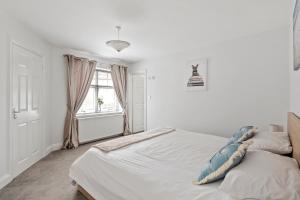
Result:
x=80 y=72
x=119 y=78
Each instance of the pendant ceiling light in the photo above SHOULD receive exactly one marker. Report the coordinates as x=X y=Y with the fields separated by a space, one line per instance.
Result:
x=118 y=45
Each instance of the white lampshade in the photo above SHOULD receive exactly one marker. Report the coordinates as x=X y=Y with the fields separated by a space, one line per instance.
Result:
x=118 y=45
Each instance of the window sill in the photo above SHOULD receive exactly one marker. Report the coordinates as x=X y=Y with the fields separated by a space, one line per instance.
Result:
x=98 y=115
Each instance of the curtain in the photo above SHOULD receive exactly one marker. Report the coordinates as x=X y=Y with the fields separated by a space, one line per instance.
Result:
x=119 y=78
x=80 y=72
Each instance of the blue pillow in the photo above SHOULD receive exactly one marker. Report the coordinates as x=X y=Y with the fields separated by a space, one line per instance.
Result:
x=226 y=158
x=242 y=134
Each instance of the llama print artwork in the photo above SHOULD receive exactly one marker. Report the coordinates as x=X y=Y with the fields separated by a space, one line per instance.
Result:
x=196 y=79
x=195 y=75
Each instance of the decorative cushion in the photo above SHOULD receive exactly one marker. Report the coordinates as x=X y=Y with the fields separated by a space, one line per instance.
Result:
x=275 y=128
x=225 y=159
x=243 y=134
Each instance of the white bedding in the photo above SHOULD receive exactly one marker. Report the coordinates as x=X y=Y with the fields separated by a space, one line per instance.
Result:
x=161 y=168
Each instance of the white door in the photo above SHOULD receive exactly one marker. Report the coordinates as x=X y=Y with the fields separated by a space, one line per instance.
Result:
x=26 y=116
x=137 y=103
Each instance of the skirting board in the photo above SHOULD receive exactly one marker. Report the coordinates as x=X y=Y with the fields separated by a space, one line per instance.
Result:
x=4 y=180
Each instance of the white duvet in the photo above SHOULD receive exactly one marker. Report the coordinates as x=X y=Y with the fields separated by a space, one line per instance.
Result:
x=161 y=168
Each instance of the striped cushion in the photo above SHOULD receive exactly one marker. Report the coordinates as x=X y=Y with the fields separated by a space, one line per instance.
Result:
x=243 y=134
x=225 y=159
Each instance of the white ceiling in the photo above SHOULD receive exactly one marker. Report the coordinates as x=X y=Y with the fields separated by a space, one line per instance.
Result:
x=153 y=27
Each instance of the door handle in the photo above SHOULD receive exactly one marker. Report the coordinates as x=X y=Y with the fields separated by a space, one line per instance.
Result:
x=14 y=112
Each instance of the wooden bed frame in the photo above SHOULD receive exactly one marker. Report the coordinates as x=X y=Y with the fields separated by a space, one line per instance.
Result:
x=84 y=193
x=293 y=128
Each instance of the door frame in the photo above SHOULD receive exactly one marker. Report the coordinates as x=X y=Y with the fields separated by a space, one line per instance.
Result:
x=141 y=72
x=11 y=134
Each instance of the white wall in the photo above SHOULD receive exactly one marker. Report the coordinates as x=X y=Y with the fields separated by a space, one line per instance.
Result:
x=58 y=96
x=12 y=30
x=294 y=75
x=247 y=84
x=295 y=91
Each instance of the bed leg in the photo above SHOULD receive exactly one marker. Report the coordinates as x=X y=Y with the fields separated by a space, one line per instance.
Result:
x=73 y=183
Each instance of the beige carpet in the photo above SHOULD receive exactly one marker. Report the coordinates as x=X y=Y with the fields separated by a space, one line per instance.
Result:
x=47 y=179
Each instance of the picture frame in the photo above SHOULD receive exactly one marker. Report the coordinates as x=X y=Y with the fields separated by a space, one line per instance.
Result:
x=195 y=75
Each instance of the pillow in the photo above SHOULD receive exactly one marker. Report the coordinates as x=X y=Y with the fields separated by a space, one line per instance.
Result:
x=276 y=142
x=263 y=175
x=225 y=159
x=275 y=128
x=243 y=134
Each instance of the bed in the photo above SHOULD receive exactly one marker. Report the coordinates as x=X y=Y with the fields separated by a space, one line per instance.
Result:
x=159 y=168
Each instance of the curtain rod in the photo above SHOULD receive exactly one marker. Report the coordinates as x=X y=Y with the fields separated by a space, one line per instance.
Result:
x=76 y=57
x=79 y=58
x=112 y=64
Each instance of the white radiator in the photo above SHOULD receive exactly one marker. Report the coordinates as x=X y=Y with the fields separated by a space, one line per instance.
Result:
x=100 y=126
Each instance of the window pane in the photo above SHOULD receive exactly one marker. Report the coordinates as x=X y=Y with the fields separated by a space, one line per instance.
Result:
x=111 y=103
x=94 y=79
x=104 y=79
x=110 y=83
x=103 y=86
x=102 y=82
x=88 y=105
x=102 y=75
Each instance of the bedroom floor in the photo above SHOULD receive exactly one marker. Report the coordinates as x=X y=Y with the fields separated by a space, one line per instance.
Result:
x=47 y=179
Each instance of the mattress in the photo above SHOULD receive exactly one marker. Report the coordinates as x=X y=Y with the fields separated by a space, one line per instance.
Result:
x=161 y=168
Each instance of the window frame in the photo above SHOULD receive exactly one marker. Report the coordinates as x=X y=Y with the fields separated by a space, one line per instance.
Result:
x=96 y=87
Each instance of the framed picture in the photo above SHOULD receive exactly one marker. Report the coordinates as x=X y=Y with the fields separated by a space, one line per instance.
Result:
x=296 y=36
x=195 y=75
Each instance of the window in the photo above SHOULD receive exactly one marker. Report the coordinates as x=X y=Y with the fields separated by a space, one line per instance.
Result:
x=101 y=87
